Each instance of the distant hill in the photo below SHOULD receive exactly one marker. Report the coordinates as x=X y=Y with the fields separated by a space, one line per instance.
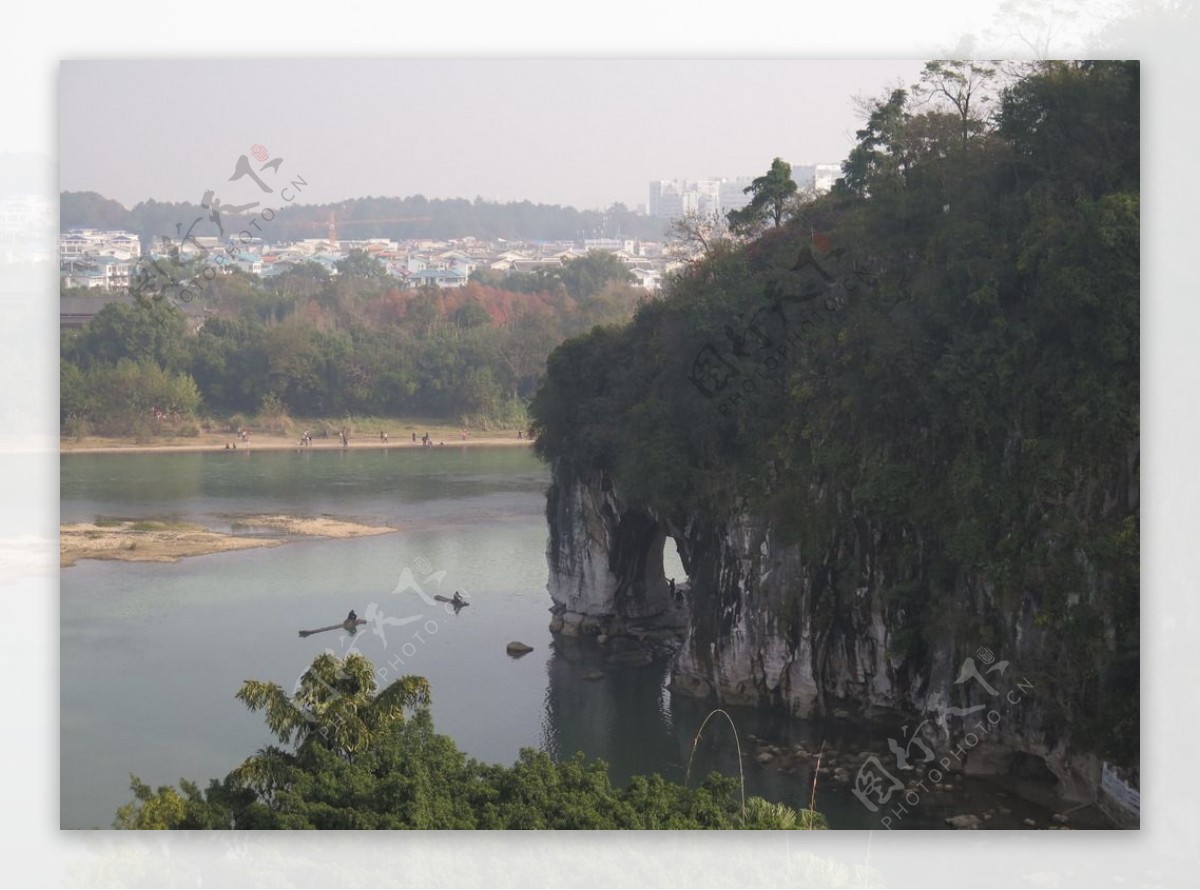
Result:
x=401 y=218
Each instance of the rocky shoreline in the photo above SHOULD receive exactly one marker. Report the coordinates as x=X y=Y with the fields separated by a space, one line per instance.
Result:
x=755 y=627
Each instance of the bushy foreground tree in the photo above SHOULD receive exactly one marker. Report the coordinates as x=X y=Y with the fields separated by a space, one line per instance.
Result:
x=352 y=756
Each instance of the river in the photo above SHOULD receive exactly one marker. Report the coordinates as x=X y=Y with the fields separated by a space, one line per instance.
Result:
x=153 y=653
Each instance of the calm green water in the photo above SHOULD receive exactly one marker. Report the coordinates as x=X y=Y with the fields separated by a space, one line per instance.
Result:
x=152 y=654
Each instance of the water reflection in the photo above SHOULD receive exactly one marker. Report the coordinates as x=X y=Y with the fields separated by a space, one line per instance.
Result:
x=369 y=480
x=625 y=715
x=609 y=711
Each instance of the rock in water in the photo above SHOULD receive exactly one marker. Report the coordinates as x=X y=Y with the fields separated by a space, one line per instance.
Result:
x=516 y=648
x=594 y=675
x=965 y=821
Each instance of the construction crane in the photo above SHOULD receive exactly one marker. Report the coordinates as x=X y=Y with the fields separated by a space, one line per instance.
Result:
x=333 y=238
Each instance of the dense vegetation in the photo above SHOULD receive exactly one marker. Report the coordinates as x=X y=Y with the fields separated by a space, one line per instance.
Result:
x=411 y=217
x=317 y=345
x=355 y=757
x=960 y=367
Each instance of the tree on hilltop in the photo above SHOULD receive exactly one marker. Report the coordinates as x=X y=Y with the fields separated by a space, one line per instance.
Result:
x=771 y=194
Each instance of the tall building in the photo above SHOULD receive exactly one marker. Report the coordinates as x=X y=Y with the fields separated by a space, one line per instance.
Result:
x=818 y=177
x=733 y=193
x=826 y=175
x=666 y=199
x=674 y=198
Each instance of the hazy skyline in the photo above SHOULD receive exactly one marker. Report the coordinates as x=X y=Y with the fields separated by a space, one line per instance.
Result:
x=586 y=134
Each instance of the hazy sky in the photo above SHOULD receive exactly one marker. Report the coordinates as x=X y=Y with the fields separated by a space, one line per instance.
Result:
x=559 y=132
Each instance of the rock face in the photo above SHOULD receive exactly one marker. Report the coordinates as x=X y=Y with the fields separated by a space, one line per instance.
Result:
x=605 y=560
x=763 y=622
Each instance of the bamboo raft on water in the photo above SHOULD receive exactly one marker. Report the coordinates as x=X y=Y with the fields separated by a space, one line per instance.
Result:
x=345 y=625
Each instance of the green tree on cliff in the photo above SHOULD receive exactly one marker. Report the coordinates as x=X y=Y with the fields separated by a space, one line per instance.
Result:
x=771 y=193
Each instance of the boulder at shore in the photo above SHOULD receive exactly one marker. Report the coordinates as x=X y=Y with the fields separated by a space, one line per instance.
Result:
x=515 y=648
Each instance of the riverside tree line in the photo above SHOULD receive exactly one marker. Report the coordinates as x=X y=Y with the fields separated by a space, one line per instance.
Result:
x=318 y=345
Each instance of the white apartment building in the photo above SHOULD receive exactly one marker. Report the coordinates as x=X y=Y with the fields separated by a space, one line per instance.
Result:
x=818 y=177
x=675 y=198
x=733 y=193
x=98 y=242
x=666 y=198
x=103 y=273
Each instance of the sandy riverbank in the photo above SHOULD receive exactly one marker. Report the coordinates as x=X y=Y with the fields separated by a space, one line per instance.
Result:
x=263 y=442
x=316 y=526
x=158 y=541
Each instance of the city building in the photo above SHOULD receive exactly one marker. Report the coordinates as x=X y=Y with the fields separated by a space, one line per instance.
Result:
x=98 y=242
x=438 y=278
x=95 y=272
x=676 y=198
x=818 y=177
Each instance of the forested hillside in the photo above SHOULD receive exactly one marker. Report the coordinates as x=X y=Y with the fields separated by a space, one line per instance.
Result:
x=943 y=351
